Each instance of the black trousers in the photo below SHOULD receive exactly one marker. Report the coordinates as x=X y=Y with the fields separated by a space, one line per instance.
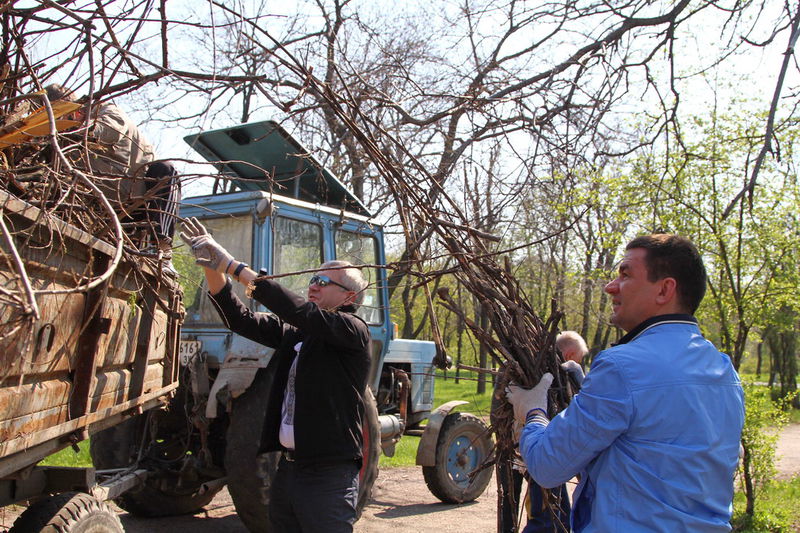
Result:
x=163 y=198
x=539 y=518
x=317 y=498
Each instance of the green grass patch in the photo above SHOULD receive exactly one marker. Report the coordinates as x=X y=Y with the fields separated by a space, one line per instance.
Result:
x=68 y=457
x=448 y=389
x=777 y=509
x=405 y=453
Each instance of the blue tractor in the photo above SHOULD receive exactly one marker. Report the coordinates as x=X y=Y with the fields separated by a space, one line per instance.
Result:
x=276 y=208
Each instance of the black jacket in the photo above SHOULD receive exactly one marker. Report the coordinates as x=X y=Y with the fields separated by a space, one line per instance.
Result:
x=331 y=374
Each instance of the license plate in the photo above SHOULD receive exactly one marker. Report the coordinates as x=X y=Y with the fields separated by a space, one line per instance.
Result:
x=189 y=349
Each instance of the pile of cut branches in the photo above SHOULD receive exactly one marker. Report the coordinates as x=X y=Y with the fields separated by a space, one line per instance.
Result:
x=42 y=175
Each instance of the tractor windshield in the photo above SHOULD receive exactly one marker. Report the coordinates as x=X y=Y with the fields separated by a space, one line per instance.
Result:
x=297 y=247
x=236 y=232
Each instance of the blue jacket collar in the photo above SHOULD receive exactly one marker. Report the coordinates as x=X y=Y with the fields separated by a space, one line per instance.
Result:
x=677 y=318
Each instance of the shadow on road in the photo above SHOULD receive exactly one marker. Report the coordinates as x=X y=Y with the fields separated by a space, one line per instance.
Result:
x=204 y=522
x=415 y=509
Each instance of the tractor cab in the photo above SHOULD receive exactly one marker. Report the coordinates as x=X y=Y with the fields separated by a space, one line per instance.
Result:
x=279 y=210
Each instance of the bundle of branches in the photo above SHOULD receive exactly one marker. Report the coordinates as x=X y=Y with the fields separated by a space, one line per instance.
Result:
x=46 y=159
x=44 y=174
x=519 y=341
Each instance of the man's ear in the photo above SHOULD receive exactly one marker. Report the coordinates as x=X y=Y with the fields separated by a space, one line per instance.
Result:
x=667 y=292
x=351 y=298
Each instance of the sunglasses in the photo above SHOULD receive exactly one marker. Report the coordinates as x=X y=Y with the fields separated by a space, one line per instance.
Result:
x=324 y=281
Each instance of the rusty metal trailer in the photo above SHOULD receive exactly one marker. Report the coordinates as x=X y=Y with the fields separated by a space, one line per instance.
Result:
x=88 y=338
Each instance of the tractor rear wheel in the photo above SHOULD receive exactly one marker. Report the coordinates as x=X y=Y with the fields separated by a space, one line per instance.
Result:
x=250 y=475
x=371 y=432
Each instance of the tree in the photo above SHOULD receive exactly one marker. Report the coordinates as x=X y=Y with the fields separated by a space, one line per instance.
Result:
x=544 y=85
x=746 y=249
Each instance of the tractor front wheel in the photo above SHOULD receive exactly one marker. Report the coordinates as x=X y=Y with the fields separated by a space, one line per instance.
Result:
x=462 y=447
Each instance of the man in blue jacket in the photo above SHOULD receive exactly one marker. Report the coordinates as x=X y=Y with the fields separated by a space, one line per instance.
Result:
x=654 y=432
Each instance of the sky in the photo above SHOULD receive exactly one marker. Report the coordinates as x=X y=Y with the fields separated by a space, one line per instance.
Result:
x=749 y=75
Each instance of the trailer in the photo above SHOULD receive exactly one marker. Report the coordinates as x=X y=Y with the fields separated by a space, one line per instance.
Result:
x=89 y=338
x=173 y=401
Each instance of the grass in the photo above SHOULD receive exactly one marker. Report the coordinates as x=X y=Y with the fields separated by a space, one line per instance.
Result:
x=777 y=509
x=68 y=457
x=446 y=390
x=405 y=453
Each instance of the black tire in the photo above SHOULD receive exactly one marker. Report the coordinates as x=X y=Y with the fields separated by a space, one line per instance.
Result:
x=167 y=491
x=371 y=431
x=463 y=446
x=70 y=512
x=250 y=475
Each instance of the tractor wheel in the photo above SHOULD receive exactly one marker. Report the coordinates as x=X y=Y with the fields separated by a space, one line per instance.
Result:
x=177 y=472
x=463 y=446
x=250 y=475
x=371 y=431
x=69 y=512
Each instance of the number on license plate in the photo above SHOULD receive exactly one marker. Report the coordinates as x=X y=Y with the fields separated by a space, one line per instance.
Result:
x=187 y=350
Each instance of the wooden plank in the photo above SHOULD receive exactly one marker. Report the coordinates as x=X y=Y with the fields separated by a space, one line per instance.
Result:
x=86 y=354
x=147 y=331
x=171 y=363
x=34 y=215
x=44 y=405
x=53 y=439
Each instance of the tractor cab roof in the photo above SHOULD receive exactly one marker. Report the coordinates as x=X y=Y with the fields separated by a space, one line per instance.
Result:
x=263 y=156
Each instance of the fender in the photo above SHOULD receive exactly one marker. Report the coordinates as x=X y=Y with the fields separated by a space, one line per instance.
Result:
x=234 y=377
x=426 y=452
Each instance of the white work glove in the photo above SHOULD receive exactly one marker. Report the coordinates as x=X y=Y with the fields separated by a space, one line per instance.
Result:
x=207 y=252
x=524 y=400
x=573 y=369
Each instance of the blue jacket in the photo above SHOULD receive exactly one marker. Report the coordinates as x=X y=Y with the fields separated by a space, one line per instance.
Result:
x=654 y=434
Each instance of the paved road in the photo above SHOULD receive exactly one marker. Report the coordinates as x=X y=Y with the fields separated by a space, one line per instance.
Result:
x=788 y=452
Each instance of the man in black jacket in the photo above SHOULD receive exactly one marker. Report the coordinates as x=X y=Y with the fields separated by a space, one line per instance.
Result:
x=314 y=416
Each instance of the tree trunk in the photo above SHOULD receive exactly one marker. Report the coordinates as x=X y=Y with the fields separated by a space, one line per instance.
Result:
x=760 y=354
x=749 y=488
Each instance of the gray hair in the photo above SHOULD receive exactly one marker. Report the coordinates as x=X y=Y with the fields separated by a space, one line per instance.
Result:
x=59 y=92
x=352 y=278
x=565 y=338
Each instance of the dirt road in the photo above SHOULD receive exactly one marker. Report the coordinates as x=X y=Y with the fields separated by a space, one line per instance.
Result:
x=401 y=503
